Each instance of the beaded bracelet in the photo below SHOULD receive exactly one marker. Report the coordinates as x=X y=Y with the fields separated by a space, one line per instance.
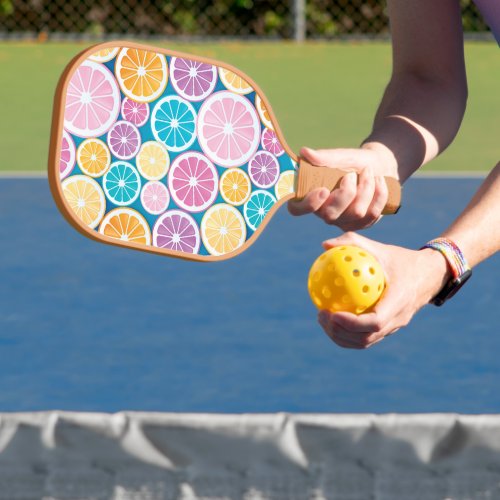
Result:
x=460 y=269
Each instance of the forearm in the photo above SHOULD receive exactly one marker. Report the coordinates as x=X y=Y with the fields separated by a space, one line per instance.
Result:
x=477 y=230
x=416 y=121
x=424 y=103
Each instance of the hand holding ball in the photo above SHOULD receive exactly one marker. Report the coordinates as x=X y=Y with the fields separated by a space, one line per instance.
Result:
x=346 y=278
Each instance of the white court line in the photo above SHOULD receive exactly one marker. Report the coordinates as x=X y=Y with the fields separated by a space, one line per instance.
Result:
x=454 y=174
x=23 y=175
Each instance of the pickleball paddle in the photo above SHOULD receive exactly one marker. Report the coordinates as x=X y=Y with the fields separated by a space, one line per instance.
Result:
x=172 y=153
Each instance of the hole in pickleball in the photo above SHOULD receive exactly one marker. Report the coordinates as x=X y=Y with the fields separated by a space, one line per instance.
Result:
x=346 y=299
x=317 y=276
x=362 y=254
x=379 y=288
x=336 y=306
x=330 y=268
x=372 y=270
x=356 y=273
x=348 y=258
x=317 y=300
x=339 y=281
x=366 y=289
x=359 y=310
x=327 y=293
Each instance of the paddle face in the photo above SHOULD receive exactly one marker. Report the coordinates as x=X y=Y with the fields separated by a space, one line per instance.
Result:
x=166 y=152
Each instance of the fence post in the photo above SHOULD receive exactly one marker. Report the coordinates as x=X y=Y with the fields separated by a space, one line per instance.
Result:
x=299 y=20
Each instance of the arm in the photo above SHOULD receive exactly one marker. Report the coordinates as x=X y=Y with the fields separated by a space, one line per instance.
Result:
x=424 y=103
x=415 y=277
x=418 y=117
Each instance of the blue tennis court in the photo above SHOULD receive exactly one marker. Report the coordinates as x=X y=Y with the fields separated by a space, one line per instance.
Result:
x=90 y=327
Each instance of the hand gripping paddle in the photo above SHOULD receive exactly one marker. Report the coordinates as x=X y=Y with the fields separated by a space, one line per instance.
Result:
x=172 y=153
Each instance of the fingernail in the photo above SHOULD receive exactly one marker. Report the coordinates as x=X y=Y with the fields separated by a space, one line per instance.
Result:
x=324 y=194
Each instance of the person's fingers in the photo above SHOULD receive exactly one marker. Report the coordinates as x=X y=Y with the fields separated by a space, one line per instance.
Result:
x=352 y=220
x=380 y=197
x=348 y=238
x=356 y=215
x=311 y=203
x=364 y=196
x=342 y=336
x=339 y=199
x=367 y=323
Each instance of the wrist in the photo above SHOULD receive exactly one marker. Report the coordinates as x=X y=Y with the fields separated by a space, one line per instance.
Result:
x=387 y=163
x=437 y=273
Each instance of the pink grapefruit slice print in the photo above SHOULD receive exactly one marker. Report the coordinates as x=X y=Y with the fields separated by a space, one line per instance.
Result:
x=264 y=169
x=68 y=155
x=193 y=182
x=155 y=197
x=271 y=143
x=228 y=129
x=193 y=80
x=92 y=100
x=177 y=230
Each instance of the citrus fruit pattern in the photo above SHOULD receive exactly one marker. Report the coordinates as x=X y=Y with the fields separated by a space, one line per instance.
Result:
x=263 y=112
x=135 y=112
x=122 y=183
x=141 y=74
x=193 y=182
x=285 y=184
x=155 y=197
x=93 y=157
x=153 y=160
x=104 y=55
x=223 y=229
x=257 y=207
x=264 y=169
x=193 y=80
x=68 y=155
x=92 y=101
x=271 y=143
x=124 y=140
x=169 y=152
x=178 y=231
x=234 y=82
x=235 y=186
x=228 y=129
x=126 y=224
x=173 y=123
x=85 y=198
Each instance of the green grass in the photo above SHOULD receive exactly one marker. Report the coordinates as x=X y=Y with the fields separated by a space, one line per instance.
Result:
x=324 y=95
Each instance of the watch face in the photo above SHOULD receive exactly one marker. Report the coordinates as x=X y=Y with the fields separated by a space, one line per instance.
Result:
x=451 y=288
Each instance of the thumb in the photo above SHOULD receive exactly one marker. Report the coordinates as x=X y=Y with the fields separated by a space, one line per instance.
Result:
x=349 y=238
x=348 y=159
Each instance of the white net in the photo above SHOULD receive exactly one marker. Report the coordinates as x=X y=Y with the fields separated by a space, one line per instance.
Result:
x=152 y=456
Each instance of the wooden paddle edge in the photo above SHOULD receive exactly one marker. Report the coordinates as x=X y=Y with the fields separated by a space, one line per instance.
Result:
x=56 y=142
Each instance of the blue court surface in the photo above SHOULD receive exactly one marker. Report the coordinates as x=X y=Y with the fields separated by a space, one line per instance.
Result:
x=90 y=327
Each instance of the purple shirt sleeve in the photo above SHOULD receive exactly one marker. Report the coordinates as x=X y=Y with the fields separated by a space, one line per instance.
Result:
x=490 y=9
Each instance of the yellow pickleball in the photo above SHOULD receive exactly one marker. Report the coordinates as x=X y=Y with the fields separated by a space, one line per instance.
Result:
x=346 y=278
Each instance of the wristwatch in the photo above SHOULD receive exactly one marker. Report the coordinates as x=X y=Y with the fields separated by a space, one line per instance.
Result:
x=460 y=270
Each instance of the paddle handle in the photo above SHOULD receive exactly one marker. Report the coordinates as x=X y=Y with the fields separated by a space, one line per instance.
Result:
x=311 y=177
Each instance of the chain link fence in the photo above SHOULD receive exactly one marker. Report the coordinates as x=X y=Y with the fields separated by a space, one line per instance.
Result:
x=283 y=19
